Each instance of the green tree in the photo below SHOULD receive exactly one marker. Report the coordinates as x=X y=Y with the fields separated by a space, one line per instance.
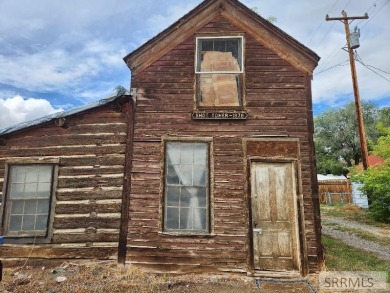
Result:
x=376 y=181
x=337 y=139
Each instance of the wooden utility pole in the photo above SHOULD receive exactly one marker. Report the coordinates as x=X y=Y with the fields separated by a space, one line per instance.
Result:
x=359 y=112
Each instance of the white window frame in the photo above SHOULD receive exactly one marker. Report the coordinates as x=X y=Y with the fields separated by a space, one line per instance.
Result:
x=209 y=205
x=34 y=236
x=219 y=37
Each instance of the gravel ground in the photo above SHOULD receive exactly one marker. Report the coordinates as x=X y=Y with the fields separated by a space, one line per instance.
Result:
x=383 y=251
x=377 y=231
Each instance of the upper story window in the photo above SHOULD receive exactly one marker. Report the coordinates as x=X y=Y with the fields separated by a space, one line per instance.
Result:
x=28 y=200
x=219 y=69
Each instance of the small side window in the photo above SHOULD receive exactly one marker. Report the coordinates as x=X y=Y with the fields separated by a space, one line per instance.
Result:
x=28 y=200
x=219 y=69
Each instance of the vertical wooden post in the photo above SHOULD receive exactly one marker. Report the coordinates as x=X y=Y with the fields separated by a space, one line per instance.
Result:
x=358 y=106
x=124 y=225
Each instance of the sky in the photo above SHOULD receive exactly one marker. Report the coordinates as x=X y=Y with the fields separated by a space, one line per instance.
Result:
x=56 y=55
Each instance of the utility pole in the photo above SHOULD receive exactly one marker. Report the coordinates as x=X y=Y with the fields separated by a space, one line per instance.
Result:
x=359 y=113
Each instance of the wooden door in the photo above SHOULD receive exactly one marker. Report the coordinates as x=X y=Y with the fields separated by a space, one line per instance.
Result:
x=274 y=217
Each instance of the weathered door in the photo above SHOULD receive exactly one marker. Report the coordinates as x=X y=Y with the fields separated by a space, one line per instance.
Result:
x=274 y=224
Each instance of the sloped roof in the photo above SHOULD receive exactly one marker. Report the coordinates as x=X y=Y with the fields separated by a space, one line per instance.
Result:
x=63 y=114
x=238 y=14
x=321 y=177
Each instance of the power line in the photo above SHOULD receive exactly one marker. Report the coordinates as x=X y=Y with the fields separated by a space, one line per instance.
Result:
x=380 y=9
x=329 y=57
x=315 y=32
x=359 y=59
x=329 y=68
x=326 y=34
x=373 y=5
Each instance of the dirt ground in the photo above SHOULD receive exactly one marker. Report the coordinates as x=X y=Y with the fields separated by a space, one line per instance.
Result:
x=109 y=277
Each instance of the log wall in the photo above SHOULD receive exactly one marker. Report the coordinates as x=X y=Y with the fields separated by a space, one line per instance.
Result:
x=276 y=101
x=90 y=151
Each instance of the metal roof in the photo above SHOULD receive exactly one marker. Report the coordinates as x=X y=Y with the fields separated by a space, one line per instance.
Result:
x=120 y=91
x=321 y=177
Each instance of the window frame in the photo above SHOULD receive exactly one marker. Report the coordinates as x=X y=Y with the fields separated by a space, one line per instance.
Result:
x=209 y=215
x=240 y=75
x=33 y=237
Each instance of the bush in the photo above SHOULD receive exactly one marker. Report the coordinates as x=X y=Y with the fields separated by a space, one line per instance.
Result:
x=376 y=184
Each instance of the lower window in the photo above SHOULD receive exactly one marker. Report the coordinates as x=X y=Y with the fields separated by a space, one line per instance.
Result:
x=28 y=200
x=186 y=187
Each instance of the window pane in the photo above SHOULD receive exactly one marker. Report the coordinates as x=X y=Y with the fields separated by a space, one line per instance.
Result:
x=173 y=152
x=172 y=218
x=200 y=154
x=185 y=218
x=207 y=45
x=219 y=90
x=203 y=219
x=16 y=207
x=15 y=223
x=199 y=176
x=187 y=154
x=18 y=174
x=186 y=175
x=32 y=174
x=202 y=197
x=43 y=190
x=232 y=46
x=43 y=206
x=30 y=207
x=41 y=223
x=220 y=46
x=172 y=176
x=17 y=190
x=45 y=174
x=186 y=194
x=28 y=223
x=173 y=196
x=30 y=190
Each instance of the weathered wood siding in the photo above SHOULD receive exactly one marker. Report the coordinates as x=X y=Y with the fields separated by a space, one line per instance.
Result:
x=91 y=152
x=276 y=100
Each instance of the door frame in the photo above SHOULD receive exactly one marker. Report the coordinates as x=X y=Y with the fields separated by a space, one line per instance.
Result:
x=301 y=250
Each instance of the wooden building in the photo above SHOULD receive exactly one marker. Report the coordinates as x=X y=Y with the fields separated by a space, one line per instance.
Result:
x=61 y=179
x=215 y=155
x=334 y=188
x=223 y=174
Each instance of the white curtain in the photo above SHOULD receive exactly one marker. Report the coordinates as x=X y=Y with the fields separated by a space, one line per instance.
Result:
x=194 y=221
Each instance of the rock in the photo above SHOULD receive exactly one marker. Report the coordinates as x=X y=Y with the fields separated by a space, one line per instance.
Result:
x=58 y=271
x=22 y=279
x=61 y=279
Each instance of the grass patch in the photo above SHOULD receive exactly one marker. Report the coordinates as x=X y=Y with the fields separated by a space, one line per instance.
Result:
x=351 y=212
x=361 y=234
x=341 y=257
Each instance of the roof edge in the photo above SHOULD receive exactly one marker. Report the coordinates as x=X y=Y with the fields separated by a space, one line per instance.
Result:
x=63 y=114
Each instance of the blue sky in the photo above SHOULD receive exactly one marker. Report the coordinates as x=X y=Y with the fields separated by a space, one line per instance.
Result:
x=57 y=55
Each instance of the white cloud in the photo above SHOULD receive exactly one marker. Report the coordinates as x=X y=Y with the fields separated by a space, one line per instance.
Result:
x=17 y=109
x=58 y=68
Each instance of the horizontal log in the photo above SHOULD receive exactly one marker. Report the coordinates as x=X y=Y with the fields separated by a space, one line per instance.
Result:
x=75 y=182
x=62 y=150
x=91 y=170
x=89 y=193
x=82 y=208
x=85 y=222
x=95 y=160
x=84 y=237
x=53 y=252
